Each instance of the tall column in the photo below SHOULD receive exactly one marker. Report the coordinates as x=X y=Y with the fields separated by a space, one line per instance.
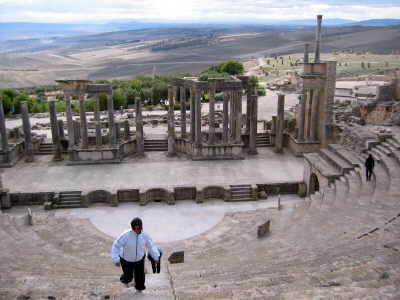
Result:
x=225 y=118
x=192 y=115
x=280 y=125
x=306 y=58
x=60 y=124
x=139 y=128
x=253 y=124
x=77 y=132
x=198 y=140
x=251 y=90
x=70 y=122
x=111 y=124
x=302 y=111
x=307 y=120
x=182 y=94
x=27 y=132
x=238 y=116
x=127 y=131
x=232 y=115
x=3 y=131
x=314 y=116
x=97 y=121
x=274 y=123
x=57 y=151
x=117 y=126
x=172 y=91
x=318 y=39
x=211 y=120
x=82 y=113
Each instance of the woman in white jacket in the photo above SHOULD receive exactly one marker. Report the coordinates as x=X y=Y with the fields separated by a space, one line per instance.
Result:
x=129 y=252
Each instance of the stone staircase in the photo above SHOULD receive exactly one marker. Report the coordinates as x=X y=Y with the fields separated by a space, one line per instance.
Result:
x=45 y=149
x=68 y=199
x=60 y=259
x=243 y=192
x=263 y=140
x=155 y=145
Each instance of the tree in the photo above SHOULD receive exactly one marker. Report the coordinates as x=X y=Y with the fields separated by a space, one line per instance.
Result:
x=232 y=67
x=119 y=99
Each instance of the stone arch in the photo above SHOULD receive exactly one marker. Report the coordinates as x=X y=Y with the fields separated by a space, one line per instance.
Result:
x=213 y=192
x=313 y=184
x=157 y=195
x=100 y=196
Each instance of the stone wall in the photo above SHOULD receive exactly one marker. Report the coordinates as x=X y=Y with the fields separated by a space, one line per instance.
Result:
x=30 y=198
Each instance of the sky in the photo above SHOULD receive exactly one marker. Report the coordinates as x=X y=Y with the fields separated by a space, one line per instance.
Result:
x=94 y=11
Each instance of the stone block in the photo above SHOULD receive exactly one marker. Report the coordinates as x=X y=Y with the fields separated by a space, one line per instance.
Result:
x=48 y=205
x=264 y=229
x=177 y=257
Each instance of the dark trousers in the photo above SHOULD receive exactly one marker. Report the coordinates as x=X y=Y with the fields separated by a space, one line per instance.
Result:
x=369 y=173
x=133 y=268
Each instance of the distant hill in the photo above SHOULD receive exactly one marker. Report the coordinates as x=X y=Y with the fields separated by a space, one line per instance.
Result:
x=376 y=22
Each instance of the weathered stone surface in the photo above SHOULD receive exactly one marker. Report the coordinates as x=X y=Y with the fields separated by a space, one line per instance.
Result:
x=177 y=257
x=264 y=229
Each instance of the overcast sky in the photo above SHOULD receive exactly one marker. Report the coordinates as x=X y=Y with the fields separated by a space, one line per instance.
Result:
x=86 y=11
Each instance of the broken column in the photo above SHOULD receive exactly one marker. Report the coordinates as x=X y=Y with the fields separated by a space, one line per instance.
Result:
x=172 y=91
x=318 y=40
x=70 y=122
x=83 y=121
x=238 y=115
x=314 y=116
x=27 y=132
x=211 y=116
x=77 y=132
x=97 y=121
x=61 y=129
x=127 y=132
x=182 y=94
x=253 y=99
x=139 y=128
x=280 y=124
x=306 y=58
x=57 y=150
x=111 y=124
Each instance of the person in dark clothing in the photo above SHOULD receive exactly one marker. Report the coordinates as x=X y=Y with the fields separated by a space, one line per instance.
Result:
x=369 y=166
x=156 y=266
x=128 y=251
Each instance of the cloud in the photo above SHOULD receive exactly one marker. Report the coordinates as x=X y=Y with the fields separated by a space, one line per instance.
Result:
x=193 y=10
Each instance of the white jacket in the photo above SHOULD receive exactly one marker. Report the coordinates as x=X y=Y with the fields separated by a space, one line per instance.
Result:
x=131 y=247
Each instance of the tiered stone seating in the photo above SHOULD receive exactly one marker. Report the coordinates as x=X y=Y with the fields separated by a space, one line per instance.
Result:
x=335 y=246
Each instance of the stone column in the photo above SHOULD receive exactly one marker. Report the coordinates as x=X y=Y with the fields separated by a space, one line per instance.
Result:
x=211 y=119
x=172 y=91
x=61 y=129
x=251 y=90
x=314 y=116
x=182 y=94
x=232 y=115
x=318 y=39
x=3 y=132
x=306 y=58
x=27 y=132
x=253 y=123
x=111 y=124
x=238 y=116
x=302 y=110
x=274 y=125
x=99 y=140
x=117 y=126
x=77 y=132
x=70 y=122
x=197 y=101
x=225 y=118
x=57 y=151
x=127 y=131
x=307 y=114
x=83 y=121
x=139 y=128
x=280 y=125
x=192 y=115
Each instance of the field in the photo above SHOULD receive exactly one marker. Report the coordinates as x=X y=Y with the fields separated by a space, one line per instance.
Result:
x=125 y=54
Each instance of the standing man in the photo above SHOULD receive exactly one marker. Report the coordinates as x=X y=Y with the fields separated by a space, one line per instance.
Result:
x=128 y=251
x=369 y=166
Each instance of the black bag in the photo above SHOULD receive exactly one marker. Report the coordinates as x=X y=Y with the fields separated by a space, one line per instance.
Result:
x=155 y=266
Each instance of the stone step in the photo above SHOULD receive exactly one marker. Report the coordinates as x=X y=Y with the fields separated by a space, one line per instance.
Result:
x=240 y=185
x=345 y=154
x=393 y=143
x=322 y=165
x=342 y=165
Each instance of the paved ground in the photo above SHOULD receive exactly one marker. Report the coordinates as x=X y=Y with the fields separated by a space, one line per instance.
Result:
x=156 y=170
x=165 y=223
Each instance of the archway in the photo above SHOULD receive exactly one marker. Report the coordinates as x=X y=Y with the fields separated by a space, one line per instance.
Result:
x=314 y=184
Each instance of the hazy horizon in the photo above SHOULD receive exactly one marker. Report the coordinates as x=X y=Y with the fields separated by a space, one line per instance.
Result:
x=192 y=11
